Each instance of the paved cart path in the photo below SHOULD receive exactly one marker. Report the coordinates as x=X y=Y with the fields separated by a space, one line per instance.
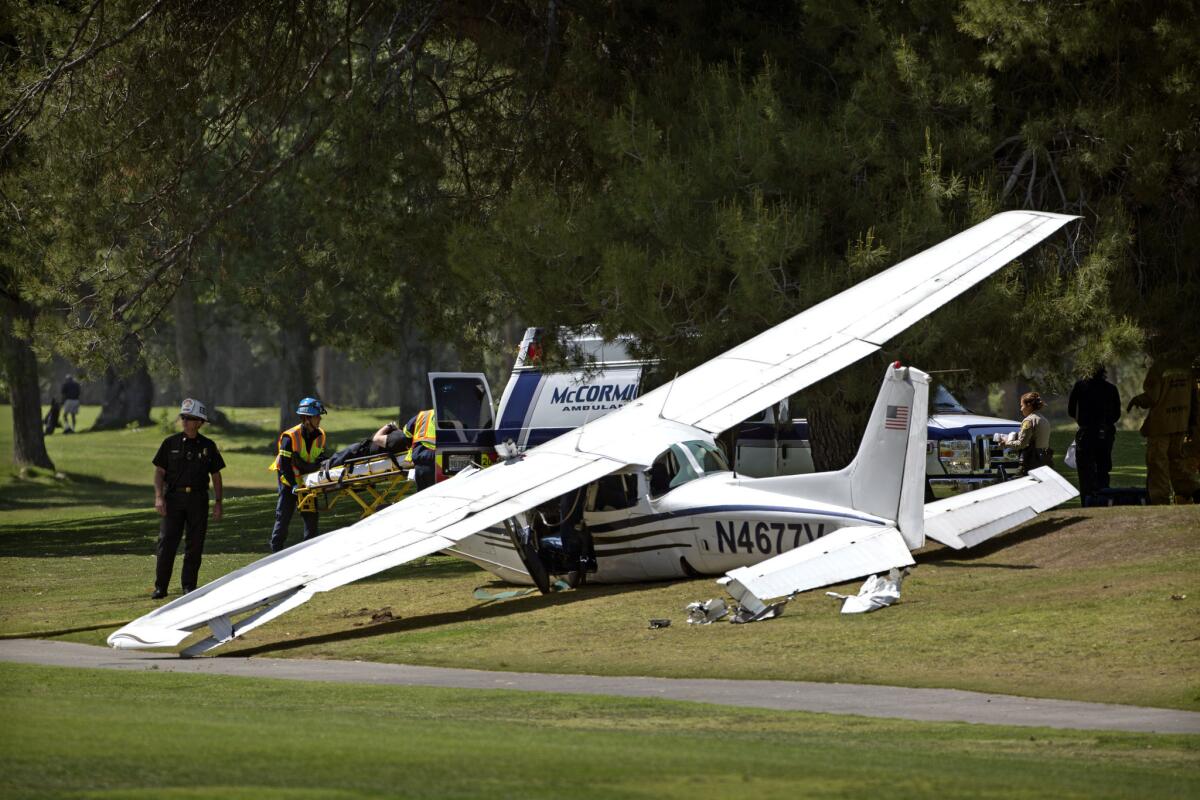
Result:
x=931 y=705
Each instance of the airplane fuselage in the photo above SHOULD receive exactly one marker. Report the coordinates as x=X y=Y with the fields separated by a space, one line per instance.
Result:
x=707 y=526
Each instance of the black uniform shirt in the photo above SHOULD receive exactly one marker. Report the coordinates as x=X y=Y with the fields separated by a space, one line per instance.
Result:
x=397 y=441
x=1094 y=403
x=188 y=462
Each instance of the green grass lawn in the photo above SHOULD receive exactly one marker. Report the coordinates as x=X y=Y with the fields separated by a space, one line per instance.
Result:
x=101 y=734
x=1078 y=604
x=104 y=471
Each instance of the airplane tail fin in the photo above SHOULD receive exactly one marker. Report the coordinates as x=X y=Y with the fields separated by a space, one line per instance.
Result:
x=887 y=476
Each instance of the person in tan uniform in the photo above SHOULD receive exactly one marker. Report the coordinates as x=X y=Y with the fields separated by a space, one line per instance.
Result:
x=1167 y=396
x=1033 y=440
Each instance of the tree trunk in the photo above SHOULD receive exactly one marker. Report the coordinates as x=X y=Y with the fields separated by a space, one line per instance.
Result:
x=324 y=373
x=296 y=380
x=191 y=353
x=20 y=368
x=413 y=377
x=838 y=411
x=189 y=344
x=128 y=393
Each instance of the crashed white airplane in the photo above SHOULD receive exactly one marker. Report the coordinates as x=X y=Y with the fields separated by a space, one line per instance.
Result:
x=660 y=501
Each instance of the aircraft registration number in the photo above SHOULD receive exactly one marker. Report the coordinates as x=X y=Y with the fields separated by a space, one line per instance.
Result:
x=765 y=537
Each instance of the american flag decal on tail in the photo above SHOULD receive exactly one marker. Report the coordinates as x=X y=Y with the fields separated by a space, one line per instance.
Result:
x=897 y=418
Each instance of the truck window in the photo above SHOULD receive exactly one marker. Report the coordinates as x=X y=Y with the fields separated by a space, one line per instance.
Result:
x=946 y=403
x=461 y=400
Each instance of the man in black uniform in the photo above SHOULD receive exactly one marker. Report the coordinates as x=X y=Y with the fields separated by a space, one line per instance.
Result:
x=1096 y=405
x=182 y=468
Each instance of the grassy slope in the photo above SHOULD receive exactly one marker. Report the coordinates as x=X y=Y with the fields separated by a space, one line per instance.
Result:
x=119 y=734
x=1076 y=605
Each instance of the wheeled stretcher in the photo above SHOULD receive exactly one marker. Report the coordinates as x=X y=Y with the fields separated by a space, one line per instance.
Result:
x=372 y=481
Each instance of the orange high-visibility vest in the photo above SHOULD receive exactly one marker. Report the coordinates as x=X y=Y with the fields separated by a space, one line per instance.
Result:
x=294 y=438
x=424 y=432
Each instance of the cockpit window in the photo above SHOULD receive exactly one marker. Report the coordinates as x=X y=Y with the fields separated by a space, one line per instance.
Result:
x=612 y=493
x=709 y=457
x=682 y=463
x=672 y=468
x=946 y=403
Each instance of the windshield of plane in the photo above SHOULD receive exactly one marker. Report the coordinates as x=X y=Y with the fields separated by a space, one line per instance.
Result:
x=946 y=403
x=682 y=463
x=709 y=457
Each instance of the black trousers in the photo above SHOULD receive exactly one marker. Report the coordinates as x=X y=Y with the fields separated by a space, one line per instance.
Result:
x=284 y=508
x=425 y=461
x=356 y=450
x=186 y=512
x=1093 y=458
x=1034 y=457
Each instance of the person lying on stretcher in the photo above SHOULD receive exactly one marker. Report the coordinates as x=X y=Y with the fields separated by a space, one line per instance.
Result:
x=389 y=440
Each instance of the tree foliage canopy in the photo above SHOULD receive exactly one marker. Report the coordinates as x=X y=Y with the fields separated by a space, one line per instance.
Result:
x=689 y=173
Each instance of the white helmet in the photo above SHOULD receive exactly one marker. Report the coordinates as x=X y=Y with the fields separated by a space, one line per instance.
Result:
x=193 y=408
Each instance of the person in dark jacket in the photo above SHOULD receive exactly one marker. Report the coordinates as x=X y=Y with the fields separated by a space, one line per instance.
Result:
x=70 y=405
x=388 y=439
x=182 y=467
x=1095 y=404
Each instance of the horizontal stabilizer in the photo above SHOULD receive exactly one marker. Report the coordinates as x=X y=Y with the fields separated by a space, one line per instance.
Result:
x=841 y=556
x=967 y=519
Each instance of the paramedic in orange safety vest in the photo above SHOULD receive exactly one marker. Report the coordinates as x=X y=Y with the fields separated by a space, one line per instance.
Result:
x=300 y=450
x=421 y=432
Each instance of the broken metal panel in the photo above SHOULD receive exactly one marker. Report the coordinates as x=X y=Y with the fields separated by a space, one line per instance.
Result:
x=876 y=592
x=707 y=612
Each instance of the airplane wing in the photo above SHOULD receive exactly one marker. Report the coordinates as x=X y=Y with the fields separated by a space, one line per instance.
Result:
x=967 y=519
x=708 y=399
x=848 y=326
x=419 y=525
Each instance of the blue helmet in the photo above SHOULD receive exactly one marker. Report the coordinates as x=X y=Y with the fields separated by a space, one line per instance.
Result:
x=311 y=407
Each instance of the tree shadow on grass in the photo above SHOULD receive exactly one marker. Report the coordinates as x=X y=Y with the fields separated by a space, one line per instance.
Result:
x=340 y=438
x=474 y=613
x=51 y=493
x=947 y=557
x=48 y=493
x=244 y=529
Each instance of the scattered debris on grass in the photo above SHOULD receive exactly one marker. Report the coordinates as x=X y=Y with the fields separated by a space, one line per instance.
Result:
x=876 y=593
x=707 y=612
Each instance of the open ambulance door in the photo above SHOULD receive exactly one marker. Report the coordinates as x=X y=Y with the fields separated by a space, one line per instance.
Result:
x=462 y=403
